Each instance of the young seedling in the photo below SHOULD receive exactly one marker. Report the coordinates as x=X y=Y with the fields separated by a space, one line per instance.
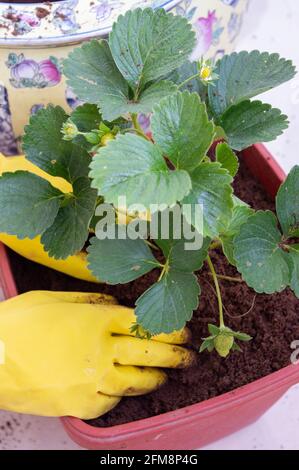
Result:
x=103 y=152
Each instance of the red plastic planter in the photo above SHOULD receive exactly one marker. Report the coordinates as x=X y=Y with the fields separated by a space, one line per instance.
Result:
x=194 y=426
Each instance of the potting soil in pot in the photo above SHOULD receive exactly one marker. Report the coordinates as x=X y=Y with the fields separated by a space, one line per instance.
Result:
x=272 y=321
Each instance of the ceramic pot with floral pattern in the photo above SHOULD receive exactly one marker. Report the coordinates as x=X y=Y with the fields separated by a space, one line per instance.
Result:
x=36 y=37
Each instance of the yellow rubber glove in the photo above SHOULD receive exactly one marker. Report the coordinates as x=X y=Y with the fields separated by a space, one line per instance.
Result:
x=73 y=354
x=75 y=266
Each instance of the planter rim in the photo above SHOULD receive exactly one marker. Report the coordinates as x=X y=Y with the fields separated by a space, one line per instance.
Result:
x=205 y=408
x=68 y=21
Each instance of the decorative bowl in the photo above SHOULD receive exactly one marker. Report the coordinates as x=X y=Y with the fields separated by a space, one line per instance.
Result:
x=36 y=37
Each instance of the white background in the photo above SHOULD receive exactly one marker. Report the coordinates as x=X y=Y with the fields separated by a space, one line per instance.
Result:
x=271 y=25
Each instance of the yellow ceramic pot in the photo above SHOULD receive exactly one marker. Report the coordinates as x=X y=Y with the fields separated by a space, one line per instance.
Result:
x=35 y=38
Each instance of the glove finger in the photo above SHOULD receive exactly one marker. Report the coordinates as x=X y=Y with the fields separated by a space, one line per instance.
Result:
x=141 y=352
x=122 y=318
x=83 y=298
x=91 y=406
x=131 y=381
x=177 y=337
x=35 y=298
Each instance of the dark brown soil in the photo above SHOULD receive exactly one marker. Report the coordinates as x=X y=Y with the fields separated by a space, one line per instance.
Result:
x=273 y=323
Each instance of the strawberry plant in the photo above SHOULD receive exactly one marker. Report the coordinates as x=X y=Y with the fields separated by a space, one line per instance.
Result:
x=103 y=152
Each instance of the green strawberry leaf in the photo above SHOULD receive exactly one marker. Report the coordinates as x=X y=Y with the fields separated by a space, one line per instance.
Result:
x=243 y=75
x=211 y=188
x=44 y=146
x=213 y=330
x=133 y=167
x=182 y=259
x=242 y=336
x=94 y=77
x=147 y=45
x=86 y=117
x=208 y=344
x=259 y=258
x=70 y=230
x=120 y=261
x=287 y=204
x=168 y=305
x=294 y=255
x=182 y=129
x=248 y=122
x=239 y=202
x=29 y=204
x=183 y=73
x=149 y=97
x=240 y=216
x=227 y=158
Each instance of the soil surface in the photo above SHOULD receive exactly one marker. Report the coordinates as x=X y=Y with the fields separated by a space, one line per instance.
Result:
x=273 y=323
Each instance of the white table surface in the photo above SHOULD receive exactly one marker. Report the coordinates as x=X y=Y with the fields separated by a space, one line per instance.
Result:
x=271 y=25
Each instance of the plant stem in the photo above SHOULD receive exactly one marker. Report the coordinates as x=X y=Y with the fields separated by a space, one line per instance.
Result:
x=164 y=270
x=188 y=80
x=228 y=278
x=216 y=244
x=150 y=244
x=141 y=134
x=218 y=292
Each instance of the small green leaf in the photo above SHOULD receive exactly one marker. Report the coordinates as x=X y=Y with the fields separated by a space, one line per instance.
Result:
x=211 y=188
x=240 y=216
x=94 y=77
x=227 y=158
x=213 y=330
x=239 y=202
x=29 y=204
x=259 y=258
x=182 y=129
x=148 y=98
x=44 y=146
x=236 y=347
x=208 y=344
x=147 y=45
x=242 y=336
x=182 y=259
x=120 y=261
x=69 y=232
x=86 y=117
x=294 y=255
x=168 y=305
x=133 y=167
x=243 y=75
x=287 y=204
x=248 y=122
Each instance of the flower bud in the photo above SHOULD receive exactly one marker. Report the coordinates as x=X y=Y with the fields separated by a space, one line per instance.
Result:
x=69 y=130
x=223 y=344
x=107 y=138
x=206 y=73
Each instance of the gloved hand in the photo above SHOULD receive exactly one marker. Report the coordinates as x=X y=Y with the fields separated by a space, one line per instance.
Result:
x=76 y=265
x=73 y=354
